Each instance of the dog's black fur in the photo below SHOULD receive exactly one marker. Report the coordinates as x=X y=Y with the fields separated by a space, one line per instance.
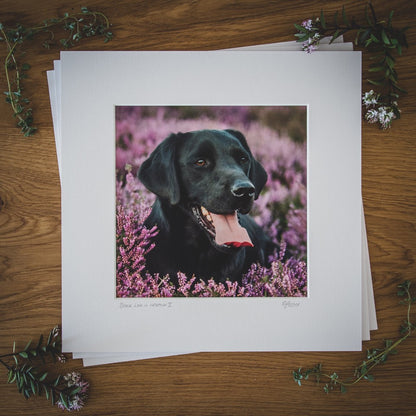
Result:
x=209 y=168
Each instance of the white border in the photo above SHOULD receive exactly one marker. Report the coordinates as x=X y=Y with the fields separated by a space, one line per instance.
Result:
x=329 y=82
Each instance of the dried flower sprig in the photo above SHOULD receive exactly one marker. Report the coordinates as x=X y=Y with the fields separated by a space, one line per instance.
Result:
x=378 y=37
x=374 y=357
x=68 y=392
x=76 y=26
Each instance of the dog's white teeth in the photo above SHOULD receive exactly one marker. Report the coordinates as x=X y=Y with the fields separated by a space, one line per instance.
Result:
x=206 y=214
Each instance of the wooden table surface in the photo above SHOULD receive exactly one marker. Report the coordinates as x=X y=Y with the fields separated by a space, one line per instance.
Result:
x=205 y=383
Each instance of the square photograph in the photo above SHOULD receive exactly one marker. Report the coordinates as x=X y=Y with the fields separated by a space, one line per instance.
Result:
x=211 y=201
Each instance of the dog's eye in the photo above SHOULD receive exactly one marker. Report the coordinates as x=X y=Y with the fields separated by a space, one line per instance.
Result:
x=201 y=163
x=243 y=159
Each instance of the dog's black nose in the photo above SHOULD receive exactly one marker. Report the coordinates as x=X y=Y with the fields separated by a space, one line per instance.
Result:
x=243 y=189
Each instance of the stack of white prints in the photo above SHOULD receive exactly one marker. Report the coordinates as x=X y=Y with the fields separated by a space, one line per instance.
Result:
x=211 y=201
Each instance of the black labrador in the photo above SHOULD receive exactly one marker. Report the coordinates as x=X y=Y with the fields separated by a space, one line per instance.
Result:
x=205 y=182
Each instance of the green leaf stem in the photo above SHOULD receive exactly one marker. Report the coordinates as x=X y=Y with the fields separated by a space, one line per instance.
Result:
x=374 y=357
x=75 y=26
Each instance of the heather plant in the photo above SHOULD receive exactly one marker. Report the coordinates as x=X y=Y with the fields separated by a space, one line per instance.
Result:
x=75 y=26
x=283 y=278
x=68 y=392
x=280 y=209
x=374 y=356
x=134 y=241
x=378 y=37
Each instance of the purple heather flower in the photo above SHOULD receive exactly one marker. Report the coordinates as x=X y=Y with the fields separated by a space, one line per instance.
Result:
x=307 y=24
x=312 y=44
x=75 y=401
x=184 y=284
x=283 y=278
x=134 y=242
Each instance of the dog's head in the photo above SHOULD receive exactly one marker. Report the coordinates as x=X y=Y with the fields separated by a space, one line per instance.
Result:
x=210 y=173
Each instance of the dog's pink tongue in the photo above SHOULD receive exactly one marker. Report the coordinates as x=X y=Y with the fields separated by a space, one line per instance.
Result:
x=228 y=231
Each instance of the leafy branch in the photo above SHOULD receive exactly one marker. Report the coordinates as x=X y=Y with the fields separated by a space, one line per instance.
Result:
x=374 y=357
x=67 y=392
x=377 y=36
x=75 y=26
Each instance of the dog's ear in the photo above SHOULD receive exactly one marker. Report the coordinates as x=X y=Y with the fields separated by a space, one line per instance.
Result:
x=158 y=172
x=257 y=174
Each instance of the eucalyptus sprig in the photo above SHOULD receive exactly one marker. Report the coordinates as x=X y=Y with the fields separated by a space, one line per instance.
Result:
x=374 y=356
x=377 y=36
x=75 y=27
x=68 y=392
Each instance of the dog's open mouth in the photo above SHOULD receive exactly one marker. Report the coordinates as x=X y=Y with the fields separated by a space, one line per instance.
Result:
x=224 y=229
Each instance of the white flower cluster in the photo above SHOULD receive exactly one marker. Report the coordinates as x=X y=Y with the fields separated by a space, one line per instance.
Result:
x=370 y=98
x=381 y=114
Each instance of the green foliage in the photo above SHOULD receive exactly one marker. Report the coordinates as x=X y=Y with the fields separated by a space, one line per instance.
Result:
x=374 y=356
x=75 y=27
x=67 y=392
x=380 y=38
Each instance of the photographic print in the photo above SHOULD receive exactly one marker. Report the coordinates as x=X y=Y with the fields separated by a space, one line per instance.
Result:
x=181 y=144
x=211 y=201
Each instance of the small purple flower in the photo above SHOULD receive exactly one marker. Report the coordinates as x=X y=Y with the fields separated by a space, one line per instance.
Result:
x=75 y=401
x=312 y=44
x=307 y=24
x=283 y=278
x=184 y=284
